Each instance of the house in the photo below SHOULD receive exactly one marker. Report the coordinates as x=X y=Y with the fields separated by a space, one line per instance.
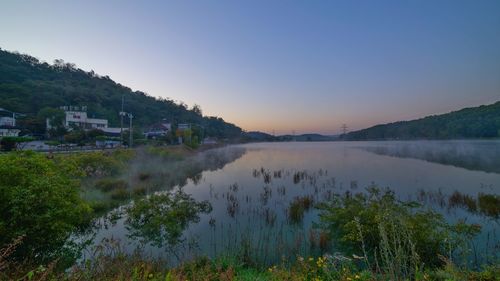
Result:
x=183 y=126
x=7 y=122
x=180 y=133
x=76 y=117
x=158 y=130
x=8 y=127
x=113 y=132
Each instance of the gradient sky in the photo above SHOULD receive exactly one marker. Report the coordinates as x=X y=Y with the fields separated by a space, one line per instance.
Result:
x=307 y=66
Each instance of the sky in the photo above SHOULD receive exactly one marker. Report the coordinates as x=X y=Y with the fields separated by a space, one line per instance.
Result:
x=282 y=66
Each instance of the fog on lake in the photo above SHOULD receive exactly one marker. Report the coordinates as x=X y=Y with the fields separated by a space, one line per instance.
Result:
x=250 y=196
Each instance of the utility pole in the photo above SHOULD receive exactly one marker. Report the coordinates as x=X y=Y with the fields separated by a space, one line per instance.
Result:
x=130 y=116
x=344 y=129
x=122 y=114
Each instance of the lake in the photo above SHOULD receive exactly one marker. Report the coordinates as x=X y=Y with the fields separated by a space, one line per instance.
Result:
x=250 y=196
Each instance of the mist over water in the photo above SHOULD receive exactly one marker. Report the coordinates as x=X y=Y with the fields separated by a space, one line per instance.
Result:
x=250 y=188
x=477 y=155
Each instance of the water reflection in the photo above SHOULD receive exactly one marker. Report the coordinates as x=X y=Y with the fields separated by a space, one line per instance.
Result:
x=161 y=219
x=471 y=155
x=262 y=201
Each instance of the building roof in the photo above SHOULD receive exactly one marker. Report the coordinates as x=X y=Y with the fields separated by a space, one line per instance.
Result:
x=113 y=130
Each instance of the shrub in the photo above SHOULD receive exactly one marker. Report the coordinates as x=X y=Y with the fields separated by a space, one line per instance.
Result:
x=101 y=163
x=10 y=143
x=399 y=236
x=40 y=201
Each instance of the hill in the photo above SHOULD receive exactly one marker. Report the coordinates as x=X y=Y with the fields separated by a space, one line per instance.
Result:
x=306 y=137
x=264 y=137
x=467 y=123
x=28 y=85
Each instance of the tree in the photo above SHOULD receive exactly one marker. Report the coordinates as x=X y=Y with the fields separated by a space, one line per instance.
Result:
x=30 y=86
x=197 y=110
x=55 y=118
x=40 y=201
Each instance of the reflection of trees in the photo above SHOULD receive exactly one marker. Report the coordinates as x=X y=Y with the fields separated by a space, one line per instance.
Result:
x=476 y=157
x=161 y=219
x=167 y=174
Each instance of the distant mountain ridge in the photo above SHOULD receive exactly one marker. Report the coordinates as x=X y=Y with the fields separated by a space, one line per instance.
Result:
x=468 y=123
x=28 y=85
x=261 y=137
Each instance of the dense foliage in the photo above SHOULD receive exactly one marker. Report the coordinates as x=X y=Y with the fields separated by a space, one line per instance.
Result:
x=39 y=201
x=397 y=238
x=476 y=122
x=30 y=86
x=161 y=218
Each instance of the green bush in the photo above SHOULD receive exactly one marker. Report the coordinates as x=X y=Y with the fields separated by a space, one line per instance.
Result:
x=399 y=237
x=10 y=143
x=40 y=201
x=98 y=163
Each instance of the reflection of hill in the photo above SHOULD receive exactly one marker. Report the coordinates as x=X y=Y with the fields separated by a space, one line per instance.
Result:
x=165 y=173
x=477 y=156
x=216 y=159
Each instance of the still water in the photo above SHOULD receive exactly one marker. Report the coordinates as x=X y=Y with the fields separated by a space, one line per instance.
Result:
x=250 y=196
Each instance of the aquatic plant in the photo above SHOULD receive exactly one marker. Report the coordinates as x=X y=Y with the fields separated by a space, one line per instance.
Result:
x=109 y=184
x=161 y=218
x=120 y=194
x=297 y=208
x=383 y=226
x=458 y=199
x=144 y=176
x=324 y=241
x=139 y=190
x=489 y=205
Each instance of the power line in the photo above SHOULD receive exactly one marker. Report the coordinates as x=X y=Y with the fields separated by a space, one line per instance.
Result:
x=344 y=129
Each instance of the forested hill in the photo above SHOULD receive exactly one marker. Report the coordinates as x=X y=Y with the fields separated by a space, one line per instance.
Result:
x=28 y=85
x=475 y=122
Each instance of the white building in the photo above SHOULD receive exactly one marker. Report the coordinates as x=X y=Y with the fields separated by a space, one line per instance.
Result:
x=76 y=116
x=7 y=121
x=7 y=127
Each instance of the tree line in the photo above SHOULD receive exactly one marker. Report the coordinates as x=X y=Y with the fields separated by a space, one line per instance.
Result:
x=28 y=85
x=467 y=123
